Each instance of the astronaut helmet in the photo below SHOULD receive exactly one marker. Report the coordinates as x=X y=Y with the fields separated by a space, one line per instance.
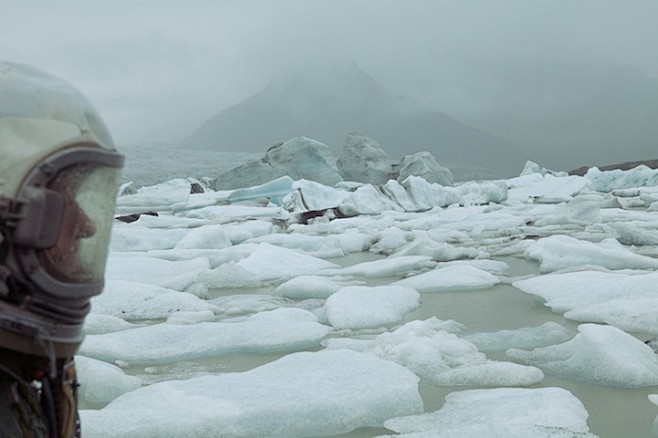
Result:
x=59 y=175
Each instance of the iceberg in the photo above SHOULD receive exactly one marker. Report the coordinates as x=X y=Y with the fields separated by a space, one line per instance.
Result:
x=364 y=160
x=609 y=180
x=424 y=164
x=297 y=158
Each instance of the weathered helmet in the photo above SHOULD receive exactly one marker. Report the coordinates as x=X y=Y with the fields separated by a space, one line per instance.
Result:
x=59 y=173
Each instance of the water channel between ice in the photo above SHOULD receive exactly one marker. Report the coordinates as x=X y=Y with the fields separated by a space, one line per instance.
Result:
x=613 y=412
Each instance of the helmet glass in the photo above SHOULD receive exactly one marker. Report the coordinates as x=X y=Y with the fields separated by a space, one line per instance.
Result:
x=88 y=191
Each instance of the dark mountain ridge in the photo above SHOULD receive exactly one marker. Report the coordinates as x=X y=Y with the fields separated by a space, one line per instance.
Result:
x=327 y=104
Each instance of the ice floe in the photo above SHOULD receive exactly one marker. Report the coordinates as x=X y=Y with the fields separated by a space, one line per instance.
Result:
x=628 y=300
x=598 y=354
x=500 y=412
x=299 y=395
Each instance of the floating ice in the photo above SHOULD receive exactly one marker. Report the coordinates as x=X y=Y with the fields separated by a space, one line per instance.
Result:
x=424 y=164
x=490 y=373
x=279 y=330
x=388 y=267
x=427 y=195
x=480 y=193
x=133 y=237
x=96 y=324
x=238 y=233
x=101 y=382
x=231 y=213
x=362 y=307
x=139 y=301
x=138 y=268
x=626 y=300
x=249 y=303
x=216 y=257
x=188 y=317
x=582 y=210
x=598 y=354
x=367 y=200
x=546 y=188
x=496 y=267
x=437 y=251
x=316 y=246
x=310 y=286
x=560 y=252
x=364 y=160
x=631 y=234
x=299 y=395
x=532 y=167
x=274 y=191
x=500 y=412
x=266 y=264
x=450 y=278
x=607 y=181
x=310 y=195
x=528 y=337
x=442 y=358
x=229 y=276
x=299 y=157
x=391 y=239
x=208 y=237
x=398 y=194
x=161 y=197
x=273 y=263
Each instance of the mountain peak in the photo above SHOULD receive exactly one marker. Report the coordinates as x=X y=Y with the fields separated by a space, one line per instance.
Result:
x=325 y=102
x=316 y=82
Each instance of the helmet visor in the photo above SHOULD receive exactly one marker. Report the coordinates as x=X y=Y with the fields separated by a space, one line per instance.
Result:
x=88 y=191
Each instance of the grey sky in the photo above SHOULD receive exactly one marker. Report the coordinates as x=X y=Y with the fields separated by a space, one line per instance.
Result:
x=157 y=69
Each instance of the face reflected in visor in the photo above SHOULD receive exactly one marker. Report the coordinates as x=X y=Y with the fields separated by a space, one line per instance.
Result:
x=88 y=193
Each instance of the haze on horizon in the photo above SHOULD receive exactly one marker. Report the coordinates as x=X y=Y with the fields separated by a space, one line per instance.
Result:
x=578 y=79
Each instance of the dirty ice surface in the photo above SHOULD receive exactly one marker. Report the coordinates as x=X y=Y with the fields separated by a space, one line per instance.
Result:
x=248 y=313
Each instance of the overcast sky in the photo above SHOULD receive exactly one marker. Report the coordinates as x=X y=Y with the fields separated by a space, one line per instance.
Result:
x=156 y=69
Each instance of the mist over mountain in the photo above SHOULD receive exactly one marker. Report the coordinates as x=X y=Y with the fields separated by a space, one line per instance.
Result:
x=571 y=114
x=328 y=103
